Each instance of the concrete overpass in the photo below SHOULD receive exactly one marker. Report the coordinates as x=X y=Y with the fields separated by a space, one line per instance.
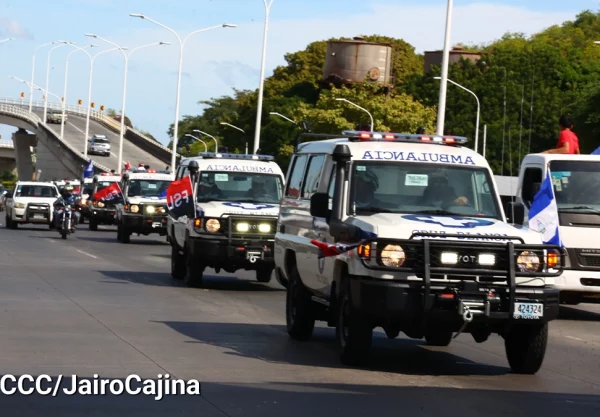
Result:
x=8 y=161
x=63 y=157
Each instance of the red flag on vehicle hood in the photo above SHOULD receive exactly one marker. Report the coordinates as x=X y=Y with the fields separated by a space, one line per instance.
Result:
x=180 y=201
x=111 y=194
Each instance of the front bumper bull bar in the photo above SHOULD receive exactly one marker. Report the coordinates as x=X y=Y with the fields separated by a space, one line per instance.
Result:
x=422 y=260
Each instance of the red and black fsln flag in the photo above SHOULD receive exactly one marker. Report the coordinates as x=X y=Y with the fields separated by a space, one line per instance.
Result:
x=180 y=200
x=111 y=194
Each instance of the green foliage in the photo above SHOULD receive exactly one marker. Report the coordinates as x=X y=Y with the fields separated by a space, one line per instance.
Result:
x=523 y=83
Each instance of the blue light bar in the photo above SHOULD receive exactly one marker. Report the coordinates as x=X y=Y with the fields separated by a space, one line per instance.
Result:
x=358 y=136
x=210 y=155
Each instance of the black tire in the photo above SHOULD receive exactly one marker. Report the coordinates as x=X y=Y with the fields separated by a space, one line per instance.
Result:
x=7 y=221
x=12 y=224
x=353 y=331
x=93 y=226
x=392 y=333
x=125 y=234
x=299 y=317
x=178 y=267
x=264 y=274
x=63 y=235
x=525 y=347
x=438 y=337
x=194 y=272
x=118 y=232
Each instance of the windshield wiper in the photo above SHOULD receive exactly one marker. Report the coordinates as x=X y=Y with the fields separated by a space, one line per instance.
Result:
x=375 y=209
x=439 y=212
x=588 y=208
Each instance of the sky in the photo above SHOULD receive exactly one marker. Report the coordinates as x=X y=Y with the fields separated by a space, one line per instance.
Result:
x=218 y=60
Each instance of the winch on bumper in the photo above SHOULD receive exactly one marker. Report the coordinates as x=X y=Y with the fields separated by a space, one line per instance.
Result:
x=239 y=243
x=458 y=282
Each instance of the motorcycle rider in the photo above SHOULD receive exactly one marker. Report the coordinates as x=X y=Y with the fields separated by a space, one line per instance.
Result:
x=66 y=197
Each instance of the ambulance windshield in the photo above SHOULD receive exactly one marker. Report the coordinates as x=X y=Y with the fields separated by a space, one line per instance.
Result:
x=422 y=188
x=576 y=185
x=239 y=187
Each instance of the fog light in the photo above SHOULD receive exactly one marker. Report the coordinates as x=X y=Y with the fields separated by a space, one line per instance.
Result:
x=242 y=227
x=486 y=259
x=449 y=258
x=264 y=228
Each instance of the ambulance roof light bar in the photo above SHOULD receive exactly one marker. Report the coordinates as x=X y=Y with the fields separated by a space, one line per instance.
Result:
x=210 y=155
x=357 y=136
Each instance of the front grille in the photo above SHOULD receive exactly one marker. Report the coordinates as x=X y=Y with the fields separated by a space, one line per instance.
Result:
x=230 y=227
x=589 y=260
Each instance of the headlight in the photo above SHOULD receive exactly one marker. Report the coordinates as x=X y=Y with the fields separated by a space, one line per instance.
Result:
x=528 y=261
x=100 y=204
x=84 y=201
x=212 y=225
x=150 y=209
x=242 y=227
x=135 y=209
x=19 y=205
x=393 y=256
x=264 y=228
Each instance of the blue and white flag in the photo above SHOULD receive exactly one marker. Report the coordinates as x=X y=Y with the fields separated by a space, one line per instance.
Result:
x=88 y=172
x=543 y=214
x=596 y=151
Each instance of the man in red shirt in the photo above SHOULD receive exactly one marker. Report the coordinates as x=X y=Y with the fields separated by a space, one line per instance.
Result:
x=568 y=143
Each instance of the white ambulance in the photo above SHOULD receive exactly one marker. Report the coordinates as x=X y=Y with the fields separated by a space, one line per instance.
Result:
x=237 y=203
x=432 y=253
x=576 y=181
x=144 y=206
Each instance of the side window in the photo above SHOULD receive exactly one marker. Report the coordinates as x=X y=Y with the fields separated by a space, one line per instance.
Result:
x=313 y=175
x=294 y=184
x=530 y=177
x=331 y=188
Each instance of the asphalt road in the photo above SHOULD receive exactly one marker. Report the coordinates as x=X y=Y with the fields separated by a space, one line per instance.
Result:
x=90 y=305
x=75 y=133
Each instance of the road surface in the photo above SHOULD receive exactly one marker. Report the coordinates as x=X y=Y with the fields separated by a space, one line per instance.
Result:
x=75 y=133
x=90 y=305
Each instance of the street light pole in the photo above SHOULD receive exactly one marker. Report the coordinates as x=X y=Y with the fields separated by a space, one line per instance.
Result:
x=357 y=106
x=283 y=117
x=33 y=74
x=7 y=40
x=445 y=58
x=262 y=77
x=89 y=108
x=126 y=56
x=64 y=98
x=478 y=109
x=179 y=71
x=237 y=128
x=199 y=140
x=62 y=43
x=210 y=136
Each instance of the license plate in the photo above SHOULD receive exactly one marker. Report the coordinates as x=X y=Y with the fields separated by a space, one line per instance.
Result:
x=528 y=311
x=38 y=216
x=156 y=224
x=253 y=256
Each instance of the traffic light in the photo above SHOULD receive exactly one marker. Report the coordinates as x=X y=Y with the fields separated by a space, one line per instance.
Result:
x=79 y=102
x=102 y=107
x=22 y=95
x=92 y=105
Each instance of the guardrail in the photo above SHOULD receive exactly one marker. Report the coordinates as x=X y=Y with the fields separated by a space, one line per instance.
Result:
x=144 y=142
x=35 y=120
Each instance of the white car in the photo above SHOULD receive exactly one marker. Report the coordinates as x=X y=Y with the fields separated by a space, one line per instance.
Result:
x=32 y=202
x=237 y=205
x=99 y=145
x=418 y=243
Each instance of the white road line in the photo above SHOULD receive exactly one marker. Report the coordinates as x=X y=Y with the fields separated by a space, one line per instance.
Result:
x=574 y=338
x=76 y=127
x=85 y=253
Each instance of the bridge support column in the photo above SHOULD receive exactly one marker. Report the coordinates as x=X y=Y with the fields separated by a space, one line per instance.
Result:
x=23 y=142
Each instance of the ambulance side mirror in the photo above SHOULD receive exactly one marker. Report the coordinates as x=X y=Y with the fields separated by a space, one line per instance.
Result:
x=319 y=206
x=515 y=213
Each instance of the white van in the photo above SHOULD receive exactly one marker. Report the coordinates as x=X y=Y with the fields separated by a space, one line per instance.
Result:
x=576 y=180
x=431 y=251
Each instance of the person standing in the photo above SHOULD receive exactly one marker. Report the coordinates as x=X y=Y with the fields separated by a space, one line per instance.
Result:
x=568 y=142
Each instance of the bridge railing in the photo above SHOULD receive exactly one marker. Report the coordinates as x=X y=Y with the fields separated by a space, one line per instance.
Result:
x=19 y=112
x=143 y=141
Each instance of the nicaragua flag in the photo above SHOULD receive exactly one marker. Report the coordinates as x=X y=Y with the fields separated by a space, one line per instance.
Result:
x=543 y=214
x=88 y=172
x=596 y=151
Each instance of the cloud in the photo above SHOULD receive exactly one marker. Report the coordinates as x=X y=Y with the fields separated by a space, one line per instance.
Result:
x=233 y=72
x=10 y=27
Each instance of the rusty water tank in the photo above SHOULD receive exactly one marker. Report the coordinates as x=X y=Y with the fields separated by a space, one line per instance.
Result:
x=358 y=61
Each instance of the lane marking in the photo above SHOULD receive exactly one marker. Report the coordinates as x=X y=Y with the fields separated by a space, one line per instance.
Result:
x=85 y=253
x=574 y=338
